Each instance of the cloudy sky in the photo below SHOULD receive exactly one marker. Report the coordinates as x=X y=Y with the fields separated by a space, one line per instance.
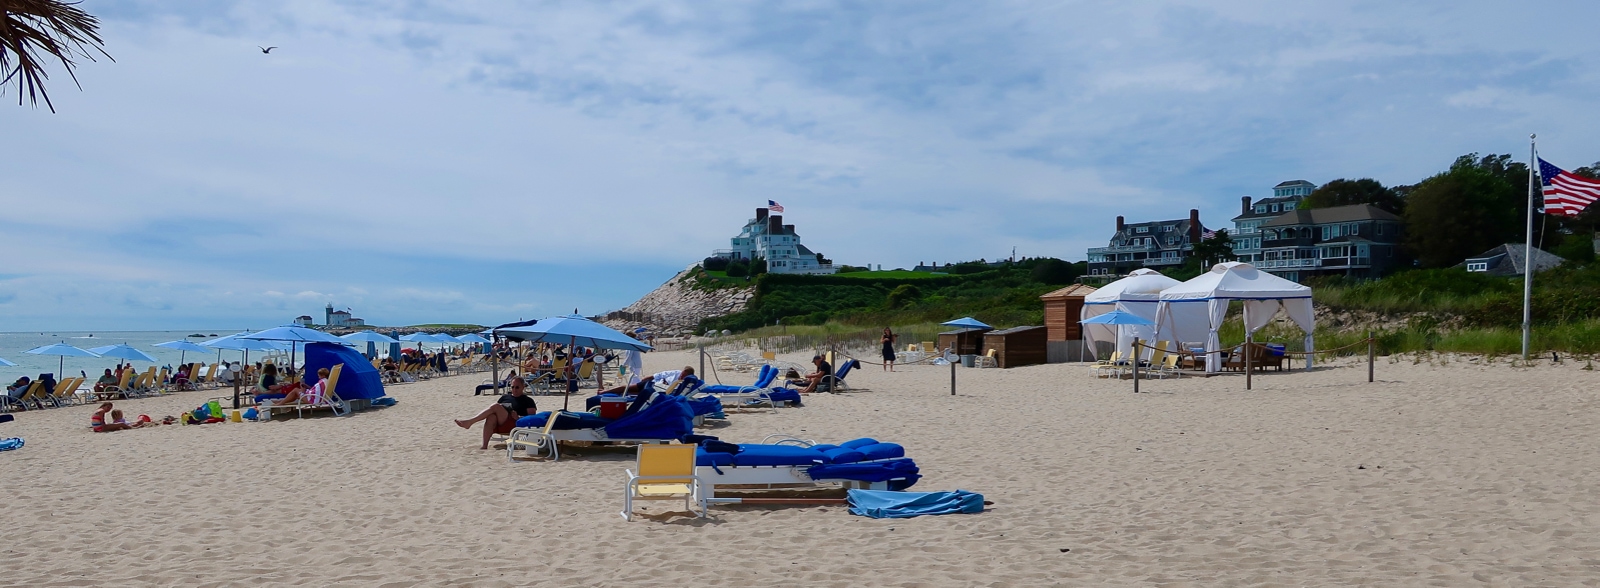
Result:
x=489 y=160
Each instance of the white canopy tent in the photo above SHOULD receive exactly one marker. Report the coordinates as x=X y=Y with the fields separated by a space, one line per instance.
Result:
x=1204 y=301
x=1138 y=294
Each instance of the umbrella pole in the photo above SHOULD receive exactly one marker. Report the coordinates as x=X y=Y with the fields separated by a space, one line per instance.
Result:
x=572 y=350
x=494 y=362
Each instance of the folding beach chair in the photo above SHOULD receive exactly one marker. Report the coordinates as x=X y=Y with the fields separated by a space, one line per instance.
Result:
x=988 y=360
x=329 y=400
x=666 y=472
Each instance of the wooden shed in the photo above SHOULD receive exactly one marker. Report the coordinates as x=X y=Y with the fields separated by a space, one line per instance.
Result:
x=965 y=342
x=1017 y=346
x=1061 y=311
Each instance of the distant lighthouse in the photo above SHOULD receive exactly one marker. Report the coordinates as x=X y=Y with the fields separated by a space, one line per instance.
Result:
x=328 y=315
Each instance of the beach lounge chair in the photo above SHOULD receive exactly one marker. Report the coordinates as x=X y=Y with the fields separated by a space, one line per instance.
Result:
x=117 y=390
x=786 y=462
x=29 y=399
x=653 y=418
x=329 y=400
x=666 y=472
x=65 y=391
x=835 y=382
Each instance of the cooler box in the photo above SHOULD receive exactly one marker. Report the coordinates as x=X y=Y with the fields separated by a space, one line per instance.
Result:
x=612 y=408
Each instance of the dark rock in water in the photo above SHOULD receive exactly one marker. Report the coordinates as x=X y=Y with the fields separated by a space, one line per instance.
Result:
x=199 y=335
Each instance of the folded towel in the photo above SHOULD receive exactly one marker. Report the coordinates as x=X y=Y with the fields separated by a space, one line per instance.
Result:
x=882 y=504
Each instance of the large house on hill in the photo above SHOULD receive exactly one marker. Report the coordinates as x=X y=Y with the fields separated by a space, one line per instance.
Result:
x=1358 y=241
x=766 y=237
x=1246 y=234
x=1154 y=244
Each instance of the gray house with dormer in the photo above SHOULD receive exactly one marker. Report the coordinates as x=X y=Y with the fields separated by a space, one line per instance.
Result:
x=1155 y=244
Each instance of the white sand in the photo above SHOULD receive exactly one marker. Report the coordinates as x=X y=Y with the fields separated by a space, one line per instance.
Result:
x=1473 y=476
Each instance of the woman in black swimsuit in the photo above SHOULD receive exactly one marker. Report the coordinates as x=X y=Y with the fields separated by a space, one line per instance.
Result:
x=888 y=349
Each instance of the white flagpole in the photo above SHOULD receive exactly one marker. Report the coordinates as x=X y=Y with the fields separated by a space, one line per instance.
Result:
x=1527 y=255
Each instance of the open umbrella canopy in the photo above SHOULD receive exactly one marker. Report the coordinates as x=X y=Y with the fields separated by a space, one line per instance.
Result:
x=294 y=334
x=472 y=338
x=419 y=337
x=239 y=343
x=1117 y=317
x=61 y=349
x=184 y=346
x=446 y=338
x=369 y=337
x=575 y=330
x=966 y=322
x=6 y=362
x=123 y=351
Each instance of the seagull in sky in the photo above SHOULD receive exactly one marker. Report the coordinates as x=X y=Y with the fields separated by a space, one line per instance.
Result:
x=266 y=49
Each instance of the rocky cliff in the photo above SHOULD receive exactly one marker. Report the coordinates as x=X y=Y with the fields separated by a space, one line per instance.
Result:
x=676 y=307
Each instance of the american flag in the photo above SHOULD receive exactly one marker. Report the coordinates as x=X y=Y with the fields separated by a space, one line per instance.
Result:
x=1566 y=193
x=773 y=205
x=1208 y=235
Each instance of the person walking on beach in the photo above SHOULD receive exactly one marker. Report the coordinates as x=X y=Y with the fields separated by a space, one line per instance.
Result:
x=888 y=349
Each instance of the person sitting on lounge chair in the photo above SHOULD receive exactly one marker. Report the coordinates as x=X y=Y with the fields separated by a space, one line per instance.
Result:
x=105 y=380
x=501 y=417
x=268 y=388
x=506 y=383
x=181 y=379
x=302 y=395
x=812 y=379
x=18 y=388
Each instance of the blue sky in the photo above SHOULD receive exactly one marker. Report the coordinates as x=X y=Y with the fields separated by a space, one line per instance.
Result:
x=489 y=160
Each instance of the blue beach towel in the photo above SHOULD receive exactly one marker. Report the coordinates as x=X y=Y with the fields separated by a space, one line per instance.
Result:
x=10 y=444
x=883 y=504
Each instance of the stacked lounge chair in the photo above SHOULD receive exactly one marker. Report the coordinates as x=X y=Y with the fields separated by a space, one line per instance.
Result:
x=862 y=463
x=653 y=418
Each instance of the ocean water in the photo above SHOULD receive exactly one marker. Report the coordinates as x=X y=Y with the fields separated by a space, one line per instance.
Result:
x=13 y=346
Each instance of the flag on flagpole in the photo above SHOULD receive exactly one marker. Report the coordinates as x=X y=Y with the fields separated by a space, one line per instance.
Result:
x=1566 y=193
x=1208 y=235
x=773 y=205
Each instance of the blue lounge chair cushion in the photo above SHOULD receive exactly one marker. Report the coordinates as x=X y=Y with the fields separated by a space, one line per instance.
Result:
x=881 y=451
x=857 y=443
x=568 y=421
x=755 y=454
x=824 y=447
x=880 y=504
x=899 y=473
x=843 y=455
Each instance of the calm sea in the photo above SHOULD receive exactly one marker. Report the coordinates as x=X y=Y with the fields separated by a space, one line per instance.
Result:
x=13 y=345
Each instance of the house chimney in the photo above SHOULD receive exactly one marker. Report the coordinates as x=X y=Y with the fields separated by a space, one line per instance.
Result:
x=761 y=214
x=788 y=229
x=1245 y=208
x=1120 y=224
x=774 y=224
x=1194 y=225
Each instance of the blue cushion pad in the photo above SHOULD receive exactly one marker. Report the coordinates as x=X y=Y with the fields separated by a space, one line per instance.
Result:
x=755 y=454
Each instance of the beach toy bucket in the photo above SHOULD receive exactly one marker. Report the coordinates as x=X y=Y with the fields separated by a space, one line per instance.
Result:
x=236 y=417
x=214 y=407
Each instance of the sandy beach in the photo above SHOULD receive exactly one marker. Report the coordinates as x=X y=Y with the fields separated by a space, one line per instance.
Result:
x=1437 y=475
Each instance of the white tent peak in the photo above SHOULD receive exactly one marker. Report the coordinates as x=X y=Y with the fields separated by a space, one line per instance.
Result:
x=1146 y=286
x=1236 y=280
x=1144 y=271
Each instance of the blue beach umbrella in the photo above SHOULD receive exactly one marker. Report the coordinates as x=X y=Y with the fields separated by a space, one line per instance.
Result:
x=368 y=337
x=6 y=362
x=1118 y=317
x=966 y=322
x=61 y=350
x=575 y=331
x=294 y=335
x=472 y=338
x=183 y=347
x=122 y=351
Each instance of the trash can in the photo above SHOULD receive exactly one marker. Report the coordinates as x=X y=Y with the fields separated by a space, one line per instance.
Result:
x=969 y=361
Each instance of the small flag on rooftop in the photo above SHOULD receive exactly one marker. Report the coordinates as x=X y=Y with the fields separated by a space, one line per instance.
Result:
x=1208 y=235
x=773 y=205
x=1566 y=193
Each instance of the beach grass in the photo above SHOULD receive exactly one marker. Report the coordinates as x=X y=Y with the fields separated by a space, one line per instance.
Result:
x=891 y=274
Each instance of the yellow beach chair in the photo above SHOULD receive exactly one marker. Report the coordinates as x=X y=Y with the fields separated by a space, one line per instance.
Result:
x=666 y=472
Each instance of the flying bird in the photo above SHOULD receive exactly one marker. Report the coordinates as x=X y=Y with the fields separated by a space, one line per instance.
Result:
x=266 y=49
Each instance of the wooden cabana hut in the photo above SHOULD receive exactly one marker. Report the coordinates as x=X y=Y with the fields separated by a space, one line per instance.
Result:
x=1017 y=346
x=967 y=342
x=1062 y=311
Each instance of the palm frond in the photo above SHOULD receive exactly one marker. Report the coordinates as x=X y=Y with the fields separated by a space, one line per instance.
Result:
x=32 y=32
